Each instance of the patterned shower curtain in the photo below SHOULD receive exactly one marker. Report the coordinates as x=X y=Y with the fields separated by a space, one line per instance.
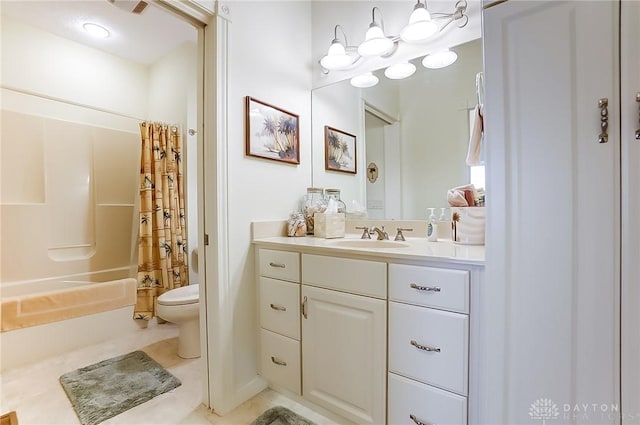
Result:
x=162 y=244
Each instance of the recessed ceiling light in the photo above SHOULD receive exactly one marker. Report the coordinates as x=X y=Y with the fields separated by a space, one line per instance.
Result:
x=96 y=30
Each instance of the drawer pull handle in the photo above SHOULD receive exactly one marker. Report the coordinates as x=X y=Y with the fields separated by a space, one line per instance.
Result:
x=418 y=421
x=304 y=307
x=278 y=362
x=278 y=307
x=425 y=347
x=425 y=288
x=279 y=265
x=638 y=130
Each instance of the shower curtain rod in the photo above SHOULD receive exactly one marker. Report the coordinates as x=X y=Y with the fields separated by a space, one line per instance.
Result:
x=69 y=102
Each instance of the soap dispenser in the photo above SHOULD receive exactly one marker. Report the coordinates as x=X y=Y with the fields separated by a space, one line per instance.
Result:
x=432 y=227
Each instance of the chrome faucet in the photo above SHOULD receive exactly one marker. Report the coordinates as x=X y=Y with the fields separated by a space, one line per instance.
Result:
x=382 y=235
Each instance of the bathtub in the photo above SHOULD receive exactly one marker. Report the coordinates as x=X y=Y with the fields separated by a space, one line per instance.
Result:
x=51 y=316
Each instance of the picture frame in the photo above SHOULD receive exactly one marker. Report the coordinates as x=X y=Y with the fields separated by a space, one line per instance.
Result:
x=339 y=150
x=271 y=132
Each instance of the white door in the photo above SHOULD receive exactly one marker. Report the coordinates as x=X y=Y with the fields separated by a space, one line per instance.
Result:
x=344 y=353
x=553 y=195
x=630 y=84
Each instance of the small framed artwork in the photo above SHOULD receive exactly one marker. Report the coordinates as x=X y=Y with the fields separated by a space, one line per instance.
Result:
x=339 y=150
x=271 y=132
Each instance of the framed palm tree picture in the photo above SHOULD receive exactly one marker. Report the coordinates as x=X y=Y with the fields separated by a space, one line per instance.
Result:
x=339 y=150
x=271 y=132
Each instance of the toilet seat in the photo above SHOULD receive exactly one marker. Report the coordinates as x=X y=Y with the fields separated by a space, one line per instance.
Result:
x=181 y=296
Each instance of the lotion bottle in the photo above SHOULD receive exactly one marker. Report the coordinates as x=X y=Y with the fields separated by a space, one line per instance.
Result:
x=432 y=227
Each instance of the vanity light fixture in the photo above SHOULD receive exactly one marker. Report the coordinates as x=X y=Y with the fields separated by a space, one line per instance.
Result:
x=421 y=26
x=400 y=70
x=95 y=30
x=375 y=42
x=439 y=59
x=364 y=80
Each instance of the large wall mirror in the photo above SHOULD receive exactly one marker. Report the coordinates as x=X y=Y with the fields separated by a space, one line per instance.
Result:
x=414 y=132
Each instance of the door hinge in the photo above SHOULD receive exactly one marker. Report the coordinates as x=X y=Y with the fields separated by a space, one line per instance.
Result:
x=206 y=240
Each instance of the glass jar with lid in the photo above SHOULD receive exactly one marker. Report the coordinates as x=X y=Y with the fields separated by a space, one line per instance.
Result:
x=314 y=202
x=335 y=195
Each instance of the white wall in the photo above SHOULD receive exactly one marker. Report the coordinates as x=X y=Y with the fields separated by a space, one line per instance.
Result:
x=54 y=66
x=269 y=59
x=172 y=99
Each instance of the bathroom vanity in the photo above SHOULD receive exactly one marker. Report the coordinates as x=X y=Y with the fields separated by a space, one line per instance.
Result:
x=376 y=332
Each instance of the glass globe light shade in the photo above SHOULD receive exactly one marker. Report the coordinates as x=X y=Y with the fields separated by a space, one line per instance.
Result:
x=375 y=43
x=364 y=80
x=420 y=26
x=400 y=70
x=336 y=57
x=439 y=59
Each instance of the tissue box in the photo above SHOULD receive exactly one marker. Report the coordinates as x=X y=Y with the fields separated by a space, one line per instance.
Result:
x=329 y=225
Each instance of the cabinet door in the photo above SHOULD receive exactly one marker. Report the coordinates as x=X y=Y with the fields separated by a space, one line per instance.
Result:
x=344 y=353
x=550 y=323
x=630 y=70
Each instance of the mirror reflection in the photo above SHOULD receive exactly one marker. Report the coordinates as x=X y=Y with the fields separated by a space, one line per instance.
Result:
x=412 y=136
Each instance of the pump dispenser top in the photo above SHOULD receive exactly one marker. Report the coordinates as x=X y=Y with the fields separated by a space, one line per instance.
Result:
x=432 y=227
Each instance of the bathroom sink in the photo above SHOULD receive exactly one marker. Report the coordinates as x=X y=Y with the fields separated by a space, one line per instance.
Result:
x=369 y=243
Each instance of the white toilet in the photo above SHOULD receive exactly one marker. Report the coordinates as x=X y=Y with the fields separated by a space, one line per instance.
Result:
x=181 y=306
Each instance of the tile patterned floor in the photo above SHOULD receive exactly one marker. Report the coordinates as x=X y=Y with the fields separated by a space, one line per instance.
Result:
x=36 y=394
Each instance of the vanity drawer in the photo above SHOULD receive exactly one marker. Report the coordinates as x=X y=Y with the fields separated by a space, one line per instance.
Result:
x=412 y=329
x=429 y=405
x=280 y=360
x=429 y=286
x=345 y=274
x=279 y=264
x=280 y=307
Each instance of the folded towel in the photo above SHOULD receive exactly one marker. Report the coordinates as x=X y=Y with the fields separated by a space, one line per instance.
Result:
x=475 y=140
x=456 y=198
x=462 y=196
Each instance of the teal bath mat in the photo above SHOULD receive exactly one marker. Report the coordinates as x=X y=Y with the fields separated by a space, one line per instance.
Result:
x=110 y=387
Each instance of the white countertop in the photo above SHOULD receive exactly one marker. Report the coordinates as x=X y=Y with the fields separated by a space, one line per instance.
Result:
x=414 y=248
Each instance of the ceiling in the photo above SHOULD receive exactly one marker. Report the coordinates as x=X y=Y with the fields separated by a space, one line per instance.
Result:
x=142 y=38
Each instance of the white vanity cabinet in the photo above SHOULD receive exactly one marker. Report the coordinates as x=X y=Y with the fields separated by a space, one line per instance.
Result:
x=428 y=345
x=376 y=338
x=279 y=308
x=344 y=336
